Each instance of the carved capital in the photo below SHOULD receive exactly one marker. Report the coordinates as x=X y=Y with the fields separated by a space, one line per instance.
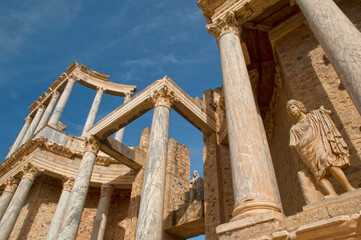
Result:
x=106 y=190
x=73 y=78
x=100 y=90
x=28 y=119
x=228 y=24
x=163 y=97
x=127 y=97
x=41 y=107
x=55 y=94
x=92 y=144
x=11 y=184
x=30 y=172
x=68 y=184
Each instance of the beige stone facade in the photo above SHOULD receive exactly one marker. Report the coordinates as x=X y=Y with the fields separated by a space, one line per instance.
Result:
x=255 y=185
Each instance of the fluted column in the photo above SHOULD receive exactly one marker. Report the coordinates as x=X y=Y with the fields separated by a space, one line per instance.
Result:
x=93 y=110
x=8 y=194
x=45 y=118
x=100 y=221
x=254 y=182
x=120 y=133
x=34 y=123
x=150 y=219
x=340 y=40
x=79 y=192
x=21 y=135
x=60 y=210
x=62 y=101
x=12 y=212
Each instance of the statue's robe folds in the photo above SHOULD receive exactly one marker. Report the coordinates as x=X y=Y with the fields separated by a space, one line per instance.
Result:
x=319 y=143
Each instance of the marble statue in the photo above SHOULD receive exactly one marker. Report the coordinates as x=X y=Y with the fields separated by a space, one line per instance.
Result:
x=196 y=187
x=320 y=145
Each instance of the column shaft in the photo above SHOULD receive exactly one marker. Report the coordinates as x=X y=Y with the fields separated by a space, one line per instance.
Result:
x=7 y=195
x=20 y=137
x=93 y=111
x=62 y=102
x=340 y=40
x=150 y=221
x=119 y=135
x=33 y=125
x=49 y=109
x=100 y=221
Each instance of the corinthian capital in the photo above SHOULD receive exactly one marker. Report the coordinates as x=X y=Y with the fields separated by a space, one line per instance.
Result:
x=68 y=184
x=41 y=107
x=163 y=96
x=30 y=172
x=55 y=94
x=106 y=190
x=220 y=27
x=11 y=184
x=28 y=119
x=73 y=78
x=92 y=144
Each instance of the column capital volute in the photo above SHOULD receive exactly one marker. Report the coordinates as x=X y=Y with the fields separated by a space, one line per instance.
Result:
x=68 y=183
x=163 y=96
x=28 y=119
x=228 y=24
x=11 y=184
x=106 y=190
x=55 y=94
x=29 y=172
x=92 y=144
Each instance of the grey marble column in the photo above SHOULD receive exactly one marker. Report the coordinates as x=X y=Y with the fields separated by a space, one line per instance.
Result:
x=100 y=221
x=45 y=118
x=340 y=40
x=93 y=110
x=79 y=192
x=150 y=219
x=119 y=135
x=34 y=124
x=7 y=195
x=254 y=181
x=12 y=212
x=62 y=101
x=60 y=210
x=20 y=137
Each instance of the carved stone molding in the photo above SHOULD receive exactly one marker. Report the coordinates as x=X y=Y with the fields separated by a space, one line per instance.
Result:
x=92 y=144
x=228 y=24
x=163 y=97
x=58 y=149
x=106 y=190
x=28 y=119
x=30 y=172
x=11 y=184
x=55 y=94
x=102 y=160
x=68 y=184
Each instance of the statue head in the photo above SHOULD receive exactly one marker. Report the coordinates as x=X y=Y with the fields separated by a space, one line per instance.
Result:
x=195 y=174
x=296 y=108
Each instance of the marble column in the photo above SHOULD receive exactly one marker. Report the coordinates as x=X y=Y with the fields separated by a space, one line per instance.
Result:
x=7 y=195
x=120 y=133
x=12 y=212
x=62 y=101
x=254 y=181
x=34 y=124
x=60 y=210
x=20 y=137
x=340 y=40
x=45 y=118
x=93 y=110
x=79 y=192
x=100 y=221
x=150 y=219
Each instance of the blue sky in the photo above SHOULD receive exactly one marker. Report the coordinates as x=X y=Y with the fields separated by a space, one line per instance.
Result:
x=135 y=42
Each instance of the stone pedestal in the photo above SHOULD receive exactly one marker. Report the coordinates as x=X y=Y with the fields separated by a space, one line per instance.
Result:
x=7 y=195
x=34 y=124
x=79 y=192
x=100 y=221
x=340 y=40
x=60 y=210
x=20 y=137
x=12 y=212
x=254 y=182
x=93 y=110
x=120 y=133
x=150 y=219
x=49 y=109
x=62 y=101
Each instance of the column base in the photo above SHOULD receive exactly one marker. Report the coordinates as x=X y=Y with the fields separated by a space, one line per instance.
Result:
x=254 y=207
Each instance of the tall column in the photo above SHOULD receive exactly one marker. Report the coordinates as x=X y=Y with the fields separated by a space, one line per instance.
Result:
x=62 y=101
x=74 y=210
x=93 y=110
x=100 y=221
x=21 y=135
x=150 y=220
x=340 y=40
x=120 y=133
x=254 y=181
x=60 y=210
x=34 y=123
x=7 y=195
x=45 y=118
x=12 y=212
